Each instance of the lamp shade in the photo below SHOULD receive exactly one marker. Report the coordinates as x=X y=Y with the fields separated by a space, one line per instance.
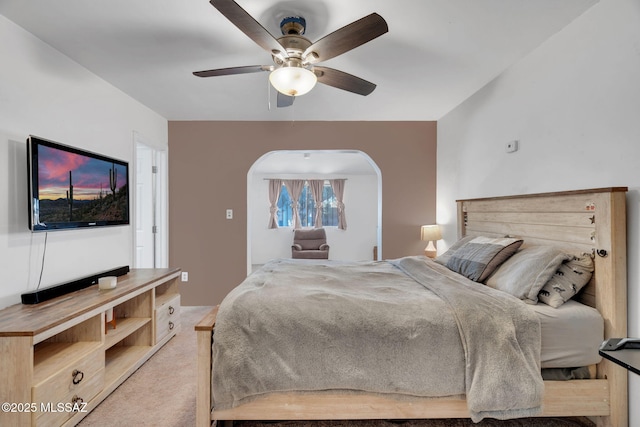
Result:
x=293 y=80
x=430 y=232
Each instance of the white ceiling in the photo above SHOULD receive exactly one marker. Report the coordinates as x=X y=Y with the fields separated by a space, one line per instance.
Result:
x=436 y=54
x=323 y=163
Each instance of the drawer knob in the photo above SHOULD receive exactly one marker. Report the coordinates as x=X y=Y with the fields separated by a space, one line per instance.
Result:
x=171 y=309
x=171 y=326
x=76 y=400
x=77 y=376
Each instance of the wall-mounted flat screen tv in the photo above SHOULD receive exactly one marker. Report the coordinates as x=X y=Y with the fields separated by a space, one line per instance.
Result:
x=72 y=188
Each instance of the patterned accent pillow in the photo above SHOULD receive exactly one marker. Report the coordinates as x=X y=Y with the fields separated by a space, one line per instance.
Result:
x=570 y=277
x=480 y=256
x=527 y=271
x=444 y=258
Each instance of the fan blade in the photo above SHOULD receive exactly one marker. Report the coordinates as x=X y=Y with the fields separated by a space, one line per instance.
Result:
x=284 y=100
x=252 y=28
x=344 y=81
x=233 y=70
x=346 y=38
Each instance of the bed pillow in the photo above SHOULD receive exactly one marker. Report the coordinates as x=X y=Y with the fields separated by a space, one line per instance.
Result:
x=567 y=281
x=527 y=271
x=444 y=258
x=479 y=256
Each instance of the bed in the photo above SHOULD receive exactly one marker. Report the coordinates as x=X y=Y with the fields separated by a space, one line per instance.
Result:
x=585 y=221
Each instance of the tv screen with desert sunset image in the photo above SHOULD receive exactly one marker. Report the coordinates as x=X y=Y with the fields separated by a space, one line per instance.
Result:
x=72 y=188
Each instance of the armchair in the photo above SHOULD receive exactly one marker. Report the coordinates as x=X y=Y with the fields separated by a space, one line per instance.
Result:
x=310 y=244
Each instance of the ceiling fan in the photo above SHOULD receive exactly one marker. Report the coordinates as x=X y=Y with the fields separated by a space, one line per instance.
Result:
x=294 y=72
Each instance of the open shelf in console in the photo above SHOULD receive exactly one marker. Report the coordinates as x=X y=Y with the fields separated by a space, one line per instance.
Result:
x=166 y=292
x=65 y=348
x=122 y=360
x=127 y=343
x=124 y=327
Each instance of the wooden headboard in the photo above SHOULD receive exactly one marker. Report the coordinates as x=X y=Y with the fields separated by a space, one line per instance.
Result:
x=592 y=221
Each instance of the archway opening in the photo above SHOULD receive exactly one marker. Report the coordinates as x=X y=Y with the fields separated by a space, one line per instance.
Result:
x=362 y=240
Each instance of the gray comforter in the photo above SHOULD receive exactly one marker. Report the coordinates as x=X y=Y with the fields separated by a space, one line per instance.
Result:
x=407 y=327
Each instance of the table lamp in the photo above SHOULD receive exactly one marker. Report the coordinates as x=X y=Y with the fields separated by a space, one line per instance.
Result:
x=430 y=233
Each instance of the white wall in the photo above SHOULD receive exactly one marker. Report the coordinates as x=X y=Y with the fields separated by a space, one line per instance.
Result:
x=44 y=93
x=574 y=105
x=353 y=244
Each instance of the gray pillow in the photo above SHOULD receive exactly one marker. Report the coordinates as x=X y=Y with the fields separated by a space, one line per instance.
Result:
x=527 y=271
x=477 y=258
x=444 y=258
x=567 y=281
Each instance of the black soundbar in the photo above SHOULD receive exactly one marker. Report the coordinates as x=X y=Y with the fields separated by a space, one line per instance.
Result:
x=45 y=294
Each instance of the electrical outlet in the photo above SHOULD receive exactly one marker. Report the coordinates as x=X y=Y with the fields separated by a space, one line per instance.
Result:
x=229 y=213
x=511 y=146
x=185 y=276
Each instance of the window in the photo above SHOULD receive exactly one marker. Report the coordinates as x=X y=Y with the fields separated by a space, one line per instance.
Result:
x=307 y=207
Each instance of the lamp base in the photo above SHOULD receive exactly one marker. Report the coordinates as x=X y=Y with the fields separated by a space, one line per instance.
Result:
x=430 y=254
x=430 y=251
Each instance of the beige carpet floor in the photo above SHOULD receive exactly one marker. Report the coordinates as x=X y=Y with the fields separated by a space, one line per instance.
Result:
x=162 y=393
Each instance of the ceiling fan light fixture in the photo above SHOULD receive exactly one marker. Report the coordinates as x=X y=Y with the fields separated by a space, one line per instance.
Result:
x=293 y=80
x=294 y=72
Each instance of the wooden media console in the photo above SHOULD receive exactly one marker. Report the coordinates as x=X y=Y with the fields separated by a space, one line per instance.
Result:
x=59 y=359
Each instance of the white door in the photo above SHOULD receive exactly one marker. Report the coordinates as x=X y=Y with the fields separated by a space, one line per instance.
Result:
x=145 y=207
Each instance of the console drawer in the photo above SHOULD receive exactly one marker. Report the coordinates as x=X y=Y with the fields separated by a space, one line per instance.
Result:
x=167 y=317
x=79 y=382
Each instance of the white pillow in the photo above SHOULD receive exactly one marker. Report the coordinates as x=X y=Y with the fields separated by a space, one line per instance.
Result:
x=527 y=271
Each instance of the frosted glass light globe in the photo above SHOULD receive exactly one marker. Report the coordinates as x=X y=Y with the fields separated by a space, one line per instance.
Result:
x=293 y=81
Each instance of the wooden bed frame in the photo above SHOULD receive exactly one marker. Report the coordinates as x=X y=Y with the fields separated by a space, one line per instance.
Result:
x=591 y=221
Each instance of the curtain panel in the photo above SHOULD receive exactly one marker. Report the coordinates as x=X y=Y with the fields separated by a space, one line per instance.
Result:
x=316 y=186
x=338 y=189
x=275 y=186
